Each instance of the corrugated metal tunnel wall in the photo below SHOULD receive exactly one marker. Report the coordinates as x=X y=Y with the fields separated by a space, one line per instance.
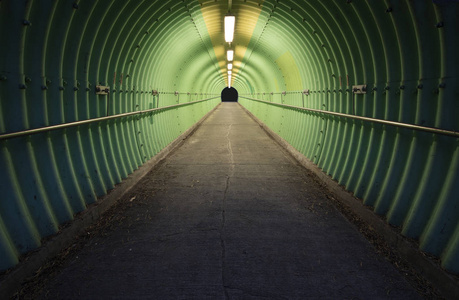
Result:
x=288 y=55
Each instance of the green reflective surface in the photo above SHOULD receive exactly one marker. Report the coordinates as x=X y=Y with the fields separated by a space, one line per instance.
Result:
x=54 y=53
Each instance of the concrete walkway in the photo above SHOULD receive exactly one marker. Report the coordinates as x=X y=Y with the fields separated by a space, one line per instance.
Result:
x=229 y=215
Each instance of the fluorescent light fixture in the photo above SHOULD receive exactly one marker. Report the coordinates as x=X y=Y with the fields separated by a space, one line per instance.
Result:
x=229 y=81
x=230 y=21
x=230 y=55
x=230 y=66
x=230 y=72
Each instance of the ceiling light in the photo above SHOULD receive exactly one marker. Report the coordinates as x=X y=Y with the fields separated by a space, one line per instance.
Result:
x=229 y=81
x=230 y=66
x=229 y=28
x=230 y=72
x=230 y=55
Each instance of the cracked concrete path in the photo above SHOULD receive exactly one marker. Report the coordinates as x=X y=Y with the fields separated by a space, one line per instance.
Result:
x=229 y=215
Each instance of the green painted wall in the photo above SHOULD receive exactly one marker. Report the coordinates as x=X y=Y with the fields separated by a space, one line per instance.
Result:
x=53 y=53
x=405 y=52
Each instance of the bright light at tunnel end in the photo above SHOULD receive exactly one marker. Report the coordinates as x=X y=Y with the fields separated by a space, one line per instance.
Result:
x=230 y=21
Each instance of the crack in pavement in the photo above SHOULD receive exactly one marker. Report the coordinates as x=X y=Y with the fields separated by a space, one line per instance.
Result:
x=230 y=151
x=222 y=240
x=222 y=227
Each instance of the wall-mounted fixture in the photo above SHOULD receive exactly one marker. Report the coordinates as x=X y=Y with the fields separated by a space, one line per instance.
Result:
x=154 y=92
x=102 y=90
x=230 y=21
x=359 y=89
x=230 y=55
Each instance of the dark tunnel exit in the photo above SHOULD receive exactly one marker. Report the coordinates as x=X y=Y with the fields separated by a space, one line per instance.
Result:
x=229 y=95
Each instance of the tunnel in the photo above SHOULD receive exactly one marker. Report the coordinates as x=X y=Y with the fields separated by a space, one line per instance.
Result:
x=367 y=91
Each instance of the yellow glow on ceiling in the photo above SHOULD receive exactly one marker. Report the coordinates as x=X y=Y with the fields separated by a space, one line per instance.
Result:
x=292 y=74
x=247 y=14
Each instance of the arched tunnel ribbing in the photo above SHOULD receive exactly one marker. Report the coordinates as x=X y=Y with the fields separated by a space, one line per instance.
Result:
x=230 y=95
x=170 y=55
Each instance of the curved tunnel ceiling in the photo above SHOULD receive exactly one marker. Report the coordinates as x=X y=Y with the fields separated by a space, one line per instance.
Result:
x=53 y=53
x=179 y=45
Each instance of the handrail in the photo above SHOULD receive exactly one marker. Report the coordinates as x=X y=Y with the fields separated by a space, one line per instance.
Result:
x=374 y=120
x=83 y=122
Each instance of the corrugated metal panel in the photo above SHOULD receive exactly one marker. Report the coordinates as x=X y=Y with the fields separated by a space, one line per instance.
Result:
x=53 y=54
x=404 y=53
